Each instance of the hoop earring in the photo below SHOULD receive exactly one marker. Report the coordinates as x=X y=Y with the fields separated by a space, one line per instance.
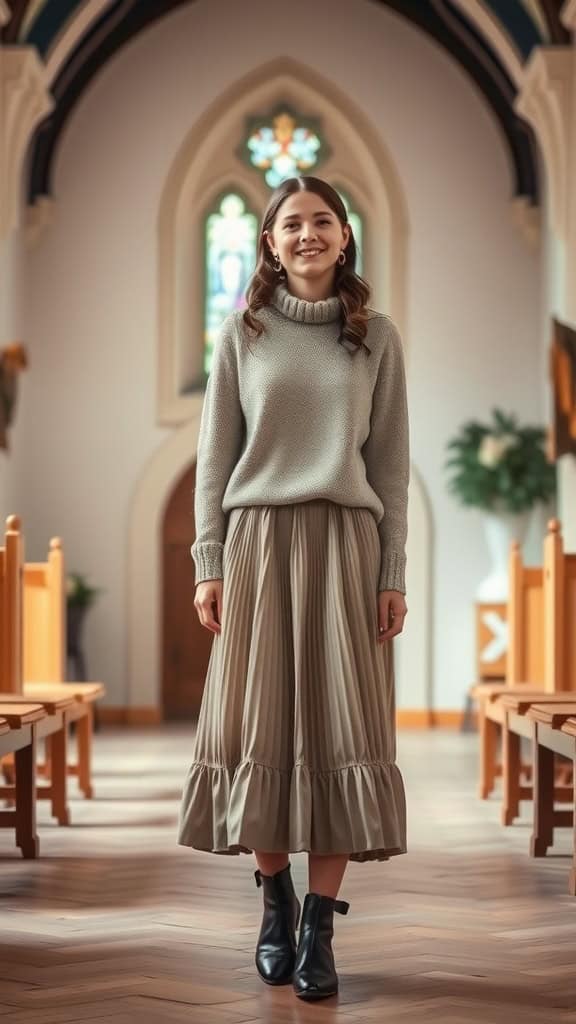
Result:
x=277 y=266
x=342 y=258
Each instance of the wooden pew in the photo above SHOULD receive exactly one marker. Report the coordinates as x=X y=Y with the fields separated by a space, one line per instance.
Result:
x=54 y=727
x=517 y=724
x=569 y=729
x=39 y=615
x=542 y=616
x=44 y=653
x=59 y=705
x=554 y=733
x=546 y=720
x=558 y=626
x=524 y=665
x=544 y=714
x=18 y=725
x=559 y=614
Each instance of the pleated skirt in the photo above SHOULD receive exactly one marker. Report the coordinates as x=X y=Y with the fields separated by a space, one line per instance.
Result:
x=295 y=746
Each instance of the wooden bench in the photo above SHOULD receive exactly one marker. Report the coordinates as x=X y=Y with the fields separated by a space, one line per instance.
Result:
x=59 y=710
x=553 y=733
x=35 y=613
x=548 y=618
x=58 y=704
x=18 y=725
x=558 y=626
x=44 y=654
x=517 y=724
x=525 y=664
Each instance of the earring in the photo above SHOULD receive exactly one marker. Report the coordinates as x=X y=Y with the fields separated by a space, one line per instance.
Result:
x=342 y=258
x=277 y=265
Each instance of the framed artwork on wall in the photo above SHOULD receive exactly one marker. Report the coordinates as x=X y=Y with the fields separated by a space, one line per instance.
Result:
x=563 y=378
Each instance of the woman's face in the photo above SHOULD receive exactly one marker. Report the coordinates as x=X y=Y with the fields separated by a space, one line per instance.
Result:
x=308 y=237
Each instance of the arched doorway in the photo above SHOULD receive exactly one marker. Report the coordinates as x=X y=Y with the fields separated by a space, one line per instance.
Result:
x=186 y=644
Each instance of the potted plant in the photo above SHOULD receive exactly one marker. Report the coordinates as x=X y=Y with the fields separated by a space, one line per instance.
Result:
x=501 y=468
x=80 y=596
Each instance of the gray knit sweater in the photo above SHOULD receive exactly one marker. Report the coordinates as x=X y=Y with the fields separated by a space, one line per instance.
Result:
x=296 y=416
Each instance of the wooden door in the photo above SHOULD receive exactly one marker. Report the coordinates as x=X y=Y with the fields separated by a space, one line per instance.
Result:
x=186 y=644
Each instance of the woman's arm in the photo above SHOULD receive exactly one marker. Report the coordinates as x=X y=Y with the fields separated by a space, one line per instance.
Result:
x=387 y=457
x=219 y=444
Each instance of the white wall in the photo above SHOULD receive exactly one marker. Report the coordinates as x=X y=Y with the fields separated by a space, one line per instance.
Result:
x=87 y=415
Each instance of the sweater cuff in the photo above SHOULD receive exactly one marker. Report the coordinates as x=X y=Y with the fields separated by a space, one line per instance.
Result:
x=208 y=560
x=392 y=572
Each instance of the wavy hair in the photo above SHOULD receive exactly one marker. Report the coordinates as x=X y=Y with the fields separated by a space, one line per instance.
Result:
x=352 y=290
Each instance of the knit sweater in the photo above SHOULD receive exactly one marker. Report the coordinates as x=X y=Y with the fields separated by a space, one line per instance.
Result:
x=294 y=415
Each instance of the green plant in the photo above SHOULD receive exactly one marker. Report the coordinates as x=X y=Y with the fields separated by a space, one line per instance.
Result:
x=79 y=593
x=500 y=467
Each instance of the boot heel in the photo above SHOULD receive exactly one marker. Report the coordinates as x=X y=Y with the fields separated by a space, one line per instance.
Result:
x=315 y=974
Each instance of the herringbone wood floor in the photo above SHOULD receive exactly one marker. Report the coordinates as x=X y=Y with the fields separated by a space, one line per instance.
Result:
x=117 y=924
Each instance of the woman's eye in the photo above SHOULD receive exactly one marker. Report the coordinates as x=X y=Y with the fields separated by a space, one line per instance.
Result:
x=325 y=220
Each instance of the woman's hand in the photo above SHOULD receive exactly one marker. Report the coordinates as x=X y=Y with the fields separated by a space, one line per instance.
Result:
x=392 y=611
x=208 y=596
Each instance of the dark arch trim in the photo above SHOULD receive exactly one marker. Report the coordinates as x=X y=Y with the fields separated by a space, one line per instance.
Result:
x=518 y=24
x=122 y=22
x=51 y=19
x=559 y=34
x=471 y=50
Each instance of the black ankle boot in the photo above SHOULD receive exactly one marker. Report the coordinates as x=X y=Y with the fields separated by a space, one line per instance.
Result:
x=276 y=948
x=314 y=972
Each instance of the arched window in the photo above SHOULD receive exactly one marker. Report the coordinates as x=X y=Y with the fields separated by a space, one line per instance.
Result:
x=229 y=260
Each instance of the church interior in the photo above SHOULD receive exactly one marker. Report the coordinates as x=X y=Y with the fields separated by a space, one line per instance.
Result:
x=140 y=141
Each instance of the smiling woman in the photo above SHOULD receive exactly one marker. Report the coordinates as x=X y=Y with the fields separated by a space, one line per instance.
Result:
x=301 y=524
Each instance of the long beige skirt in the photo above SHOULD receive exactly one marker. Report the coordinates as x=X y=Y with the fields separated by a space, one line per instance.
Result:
x=295 y=745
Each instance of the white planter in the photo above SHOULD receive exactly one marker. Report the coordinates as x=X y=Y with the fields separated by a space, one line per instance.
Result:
x=500 y=529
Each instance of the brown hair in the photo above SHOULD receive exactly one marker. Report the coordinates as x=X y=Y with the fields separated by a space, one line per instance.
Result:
x=352 y=290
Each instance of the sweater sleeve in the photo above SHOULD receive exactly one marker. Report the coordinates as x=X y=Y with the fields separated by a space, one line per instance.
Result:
x=387 y=458
x=219 y=444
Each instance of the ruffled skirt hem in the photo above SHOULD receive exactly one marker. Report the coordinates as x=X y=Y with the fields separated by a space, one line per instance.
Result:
x=358 y=809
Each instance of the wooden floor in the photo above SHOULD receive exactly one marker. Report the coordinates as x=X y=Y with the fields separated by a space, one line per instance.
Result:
x=116 y=923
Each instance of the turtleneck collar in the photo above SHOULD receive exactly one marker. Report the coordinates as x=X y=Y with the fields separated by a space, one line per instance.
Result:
x=322 y=311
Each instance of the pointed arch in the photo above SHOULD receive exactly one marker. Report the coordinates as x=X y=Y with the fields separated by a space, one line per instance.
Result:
x=359 y=161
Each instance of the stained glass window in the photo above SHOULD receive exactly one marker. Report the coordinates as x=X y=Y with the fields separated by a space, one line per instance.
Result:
x=284 y=145
x=230 y=258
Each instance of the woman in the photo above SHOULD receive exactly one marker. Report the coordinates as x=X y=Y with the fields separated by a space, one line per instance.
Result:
x=301 y=520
